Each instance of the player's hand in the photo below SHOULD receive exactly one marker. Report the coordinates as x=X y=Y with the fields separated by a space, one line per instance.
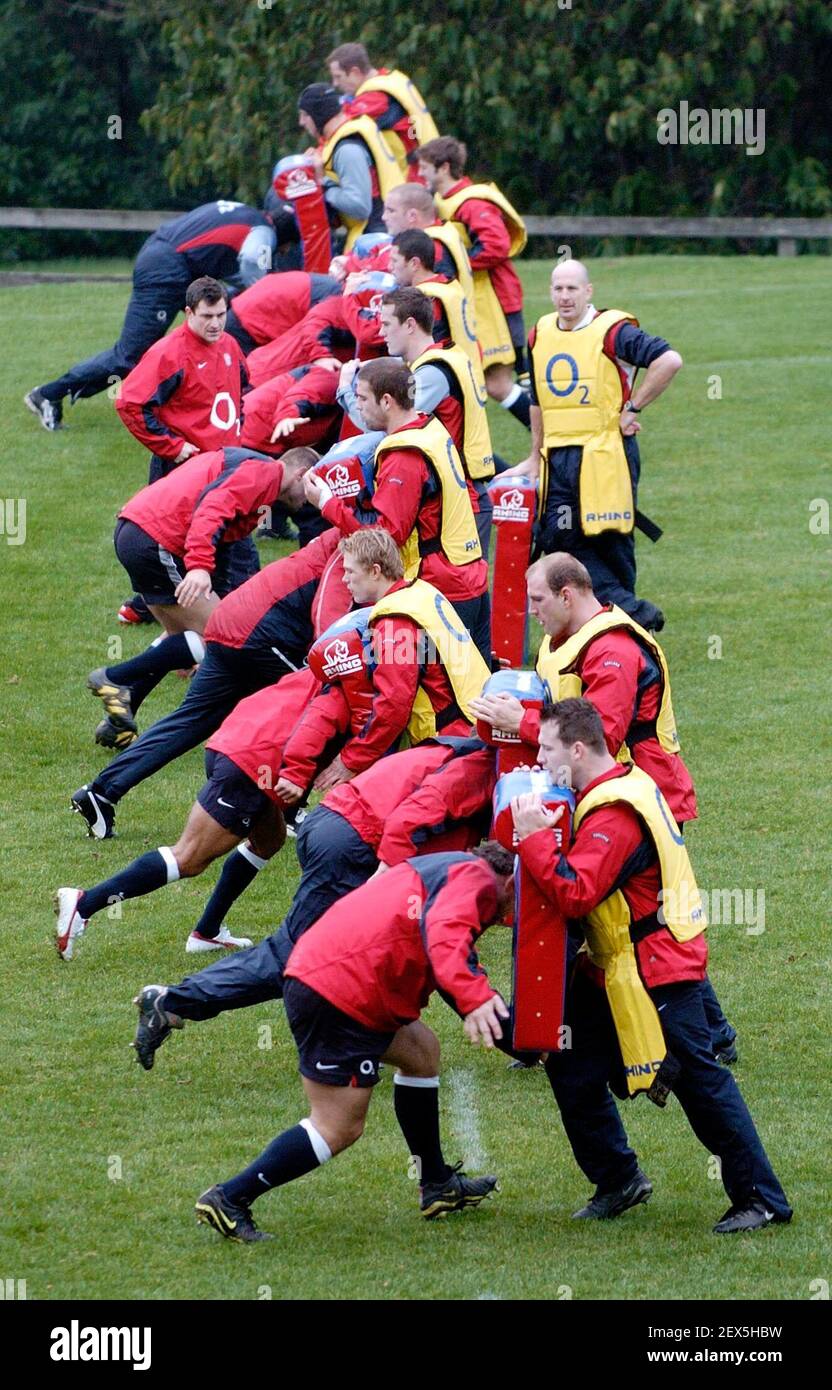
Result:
x=333 y=776
x=284 y=428
x=530 y=815
x=354 y=281
x=338 y=268
x=288 y=791
x=483 y=1024
x=527 y=468
x=314 y=156
x=628 y=423
x=348 y=371
x=186 y=452
x=317 y=491
x=195 y=586
x=503 y=712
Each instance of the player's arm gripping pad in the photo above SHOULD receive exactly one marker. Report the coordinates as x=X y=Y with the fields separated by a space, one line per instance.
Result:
x=532 y=692
x=540 y=942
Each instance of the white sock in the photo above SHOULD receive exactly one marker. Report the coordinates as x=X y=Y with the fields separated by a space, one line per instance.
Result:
x=170 y=863
x=322 y=1150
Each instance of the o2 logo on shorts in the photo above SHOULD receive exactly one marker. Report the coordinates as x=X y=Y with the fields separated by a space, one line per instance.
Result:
x=367 y=1068
x=338 y=661
x=574 y=375
x=224 y=412
x=162 y=315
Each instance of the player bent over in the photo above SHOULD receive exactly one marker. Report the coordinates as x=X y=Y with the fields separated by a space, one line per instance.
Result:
x=406 y=933
x=232 y=809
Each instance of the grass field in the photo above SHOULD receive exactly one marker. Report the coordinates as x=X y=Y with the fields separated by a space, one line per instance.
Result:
x=102 y=1161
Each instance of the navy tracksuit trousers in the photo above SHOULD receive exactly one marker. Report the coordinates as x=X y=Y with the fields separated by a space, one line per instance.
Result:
x=609 y=557
x=226 y=676
x=706 y=1091
x=334 y=860
x=160 y=279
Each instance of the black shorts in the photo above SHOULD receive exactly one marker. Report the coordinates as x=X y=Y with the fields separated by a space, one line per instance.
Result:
x=333 y=1049
x=229 y=796
x=154 y=572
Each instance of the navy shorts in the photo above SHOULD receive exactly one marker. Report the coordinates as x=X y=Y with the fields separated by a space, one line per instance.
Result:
x=154 y=572
x=230 y=797
x=333 y=1049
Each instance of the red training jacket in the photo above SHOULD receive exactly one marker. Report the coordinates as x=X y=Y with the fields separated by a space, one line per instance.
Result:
x=578 y=881
x=210 y=499
x=624 y=684
x=402 y=804
x=490 y=242
x=304 y=393
x=254 y=733
x=393 y=686
x=322 y=332
x=379 y=953
x=185 y=390
x=274 y=304
x=406 y=496
x=277 y=605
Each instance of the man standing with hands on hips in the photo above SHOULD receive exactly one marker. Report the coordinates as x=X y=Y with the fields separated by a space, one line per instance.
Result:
x=584 y=419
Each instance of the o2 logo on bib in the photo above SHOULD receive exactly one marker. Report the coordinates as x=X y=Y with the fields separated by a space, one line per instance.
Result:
x=447 y=613
x=453 y=458
x=566 y=389
x=224 y=412
x=466 y=309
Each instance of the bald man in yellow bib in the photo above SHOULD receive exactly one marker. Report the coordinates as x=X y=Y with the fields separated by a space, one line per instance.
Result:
x=585 y=415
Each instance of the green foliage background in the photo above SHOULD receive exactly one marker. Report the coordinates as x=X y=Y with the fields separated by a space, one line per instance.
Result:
x=557 y=104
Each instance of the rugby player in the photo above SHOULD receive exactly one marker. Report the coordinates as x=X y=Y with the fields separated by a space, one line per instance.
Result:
x=406 y=934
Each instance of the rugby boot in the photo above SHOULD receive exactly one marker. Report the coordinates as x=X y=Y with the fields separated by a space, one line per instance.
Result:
x=454 y=1192
x=109 y=735
x=605 y=1205
x=751 y=1218
x=235 y=1223
x=50 y=413
x=115 y=699
x=154 y=1024
x=70 y=922
x=98 y=812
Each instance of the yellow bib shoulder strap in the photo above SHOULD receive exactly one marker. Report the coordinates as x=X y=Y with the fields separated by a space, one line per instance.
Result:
x=458 y=539
x=463 y=665
x=558 y=668
x=488 y=193
x=610 y=929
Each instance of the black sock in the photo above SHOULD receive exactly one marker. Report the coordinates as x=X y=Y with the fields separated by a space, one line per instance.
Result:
x=175 y=653
x=416 y=1102
x=518 y=403
x=294 y=1152
x=241 y=867
x=141 y=688
x=151 y=871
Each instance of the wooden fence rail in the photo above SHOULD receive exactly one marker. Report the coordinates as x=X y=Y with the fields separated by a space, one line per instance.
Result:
x=786 y=231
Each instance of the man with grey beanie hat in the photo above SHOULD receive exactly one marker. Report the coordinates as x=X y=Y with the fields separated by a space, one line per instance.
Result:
x=352 y=161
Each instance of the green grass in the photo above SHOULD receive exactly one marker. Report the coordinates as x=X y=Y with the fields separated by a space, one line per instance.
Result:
x=731 y=481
